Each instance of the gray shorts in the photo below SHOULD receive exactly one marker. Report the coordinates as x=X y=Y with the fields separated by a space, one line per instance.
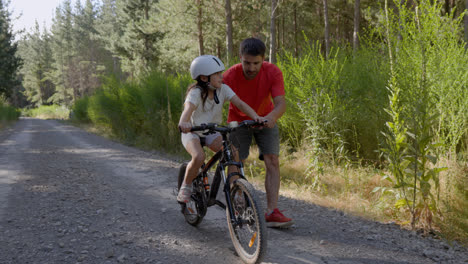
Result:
x=267 y=140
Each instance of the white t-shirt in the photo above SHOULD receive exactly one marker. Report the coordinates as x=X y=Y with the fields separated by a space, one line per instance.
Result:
x=211 y=112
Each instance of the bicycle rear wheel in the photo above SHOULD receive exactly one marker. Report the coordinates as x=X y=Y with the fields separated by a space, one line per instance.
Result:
x=248 y=230
x=195 y=209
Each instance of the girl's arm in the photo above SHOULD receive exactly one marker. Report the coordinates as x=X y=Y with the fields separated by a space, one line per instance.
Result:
x=245 y=108
x=184 y=122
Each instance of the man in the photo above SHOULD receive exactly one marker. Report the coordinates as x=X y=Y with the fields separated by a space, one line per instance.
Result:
x=257 y=82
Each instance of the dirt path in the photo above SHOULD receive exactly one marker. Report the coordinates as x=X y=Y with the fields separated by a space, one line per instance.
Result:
x=67 y=196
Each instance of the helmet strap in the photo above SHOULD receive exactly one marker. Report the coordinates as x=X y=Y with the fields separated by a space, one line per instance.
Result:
x=216 y=99
x=209 y=86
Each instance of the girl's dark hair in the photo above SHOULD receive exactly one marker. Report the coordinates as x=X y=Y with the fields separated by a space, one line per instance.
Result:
x=253 y=47
x=203 y=86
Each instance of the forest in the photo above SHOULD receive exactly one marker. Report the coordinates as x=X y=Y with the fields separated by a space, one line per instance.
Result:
x=370 y=86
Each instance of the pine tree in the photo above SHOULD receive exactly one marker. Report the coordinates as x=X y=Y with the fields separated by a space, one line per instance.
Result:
x=87 y=50
x=137 y=46
x=37 y=67
x=9 y=61
x=62 y=45
x=109 y=32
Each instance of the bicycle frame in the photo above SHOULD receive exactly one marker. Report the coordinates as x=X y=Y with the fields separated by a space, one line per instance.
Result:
x=223 y=159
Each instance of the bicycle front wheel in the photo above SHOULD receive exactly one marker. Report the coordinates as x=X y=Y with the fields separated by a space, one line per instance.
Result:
x=248 y=229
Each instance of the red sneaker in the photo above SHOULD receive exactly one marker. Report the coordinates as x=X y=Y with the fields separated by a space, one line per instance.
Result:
x=277 y=219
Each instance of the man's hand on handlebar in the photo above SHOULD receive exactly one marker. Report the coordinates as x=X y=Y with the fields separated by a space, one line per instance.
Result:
x=269 y=122
x=185 y=127
x=260 y=119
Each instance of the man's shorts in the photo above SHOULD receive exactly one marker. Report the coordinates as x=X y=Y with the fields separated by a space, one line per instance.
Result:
x=267 y=140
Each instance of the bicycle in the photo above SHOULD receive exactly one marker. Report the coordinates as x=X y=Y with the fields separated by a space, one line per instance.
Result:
x=246 y=224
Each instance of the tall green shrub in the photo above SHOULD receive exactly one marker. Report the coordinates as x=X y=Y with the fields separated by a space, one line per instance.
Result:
x=335 y=104
x=315 y=99
x=414 y=38
x=143 y=112
x=364 y=80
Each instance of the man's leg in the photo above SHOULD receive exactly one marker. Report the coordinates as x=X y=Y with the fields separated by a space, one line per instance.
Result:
x=268 y=142
x=272 y=180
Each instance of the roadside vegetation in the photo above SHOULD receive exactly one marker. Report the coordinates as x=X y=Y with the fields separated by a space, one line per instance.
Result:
x=8 y=113
x=378 y=129
x=47 y=112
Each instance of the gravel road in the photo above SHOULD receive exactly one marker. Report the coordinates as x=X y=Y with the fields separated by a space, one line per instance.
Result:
x=68 y=196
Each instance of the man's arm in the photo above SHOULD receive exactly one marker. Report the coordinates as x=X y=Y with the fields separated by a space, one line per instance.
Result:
x=277 y=112
x=245 y=108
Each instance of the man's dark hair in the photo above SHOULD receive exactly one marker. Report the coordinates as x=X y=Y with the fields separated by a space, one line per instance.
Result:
x=252 y=47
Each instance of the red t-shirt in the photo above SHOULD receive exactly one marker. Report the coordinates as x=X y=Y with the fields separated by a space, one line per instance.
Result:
x=257 y=93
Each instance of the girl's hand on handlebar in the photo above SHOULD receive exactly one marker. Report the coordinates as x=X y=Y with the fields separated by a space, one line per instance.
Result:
x=185 y=127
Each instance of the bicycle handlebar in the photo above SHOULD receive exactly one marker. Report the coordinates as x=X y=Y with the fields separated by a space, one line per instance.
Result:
x=213 y=127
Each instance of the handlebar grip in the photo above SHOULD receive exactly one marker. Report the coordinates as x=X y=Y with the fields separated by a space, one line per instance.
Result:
x=203 y=127
x=252 y=123
x=197 y=128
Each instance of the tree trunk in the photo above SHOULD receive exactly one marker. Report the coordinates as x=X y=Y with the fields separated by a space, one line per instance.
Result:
x=201 y=49
x=273 y=31
x=327 y=28
x=218 y=48
x=448 y=6
x=357 y=18
x=148 y=48
x=278 y=35
x=282 y=34
x=295 y=30
x=229 y=43
x=466 y=23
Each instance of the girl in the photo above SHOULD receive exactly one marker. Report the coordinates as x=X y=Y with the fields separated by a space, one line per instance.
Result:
x=204 y=104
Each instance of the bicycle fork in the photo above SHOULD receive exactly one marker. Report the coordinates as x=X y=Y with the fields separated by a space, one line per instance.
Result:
x=227 y=188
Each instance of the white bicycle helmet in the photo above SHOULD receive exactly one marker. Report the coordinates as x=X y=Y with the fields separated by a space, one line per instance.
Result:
x=205 y=65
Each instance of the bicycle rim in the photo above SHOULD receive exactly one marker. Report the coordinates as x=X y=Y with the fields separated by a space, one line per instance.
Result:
x=249 y=237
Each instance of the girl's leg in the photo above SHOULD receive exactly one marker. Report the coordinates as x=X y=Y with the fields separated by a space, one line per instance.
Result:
x=195 y=150
x=215 y=144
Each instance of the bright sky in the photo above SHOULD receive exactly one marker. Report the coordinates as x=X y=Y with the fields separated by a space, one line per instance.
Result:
x=40 y=10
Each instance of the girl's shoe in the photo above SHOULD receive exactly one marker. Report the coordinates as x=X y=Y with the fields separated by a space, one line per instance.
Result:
x=185 y=192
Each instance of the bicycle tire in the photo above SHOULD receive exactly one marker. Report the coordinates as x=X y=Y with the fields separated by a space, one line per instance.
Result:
x=249 y=238
x=195 y=211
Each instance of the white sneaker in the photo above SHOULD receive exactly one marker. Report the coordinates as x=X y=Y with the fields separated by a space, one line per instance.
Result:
x=185 y=192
